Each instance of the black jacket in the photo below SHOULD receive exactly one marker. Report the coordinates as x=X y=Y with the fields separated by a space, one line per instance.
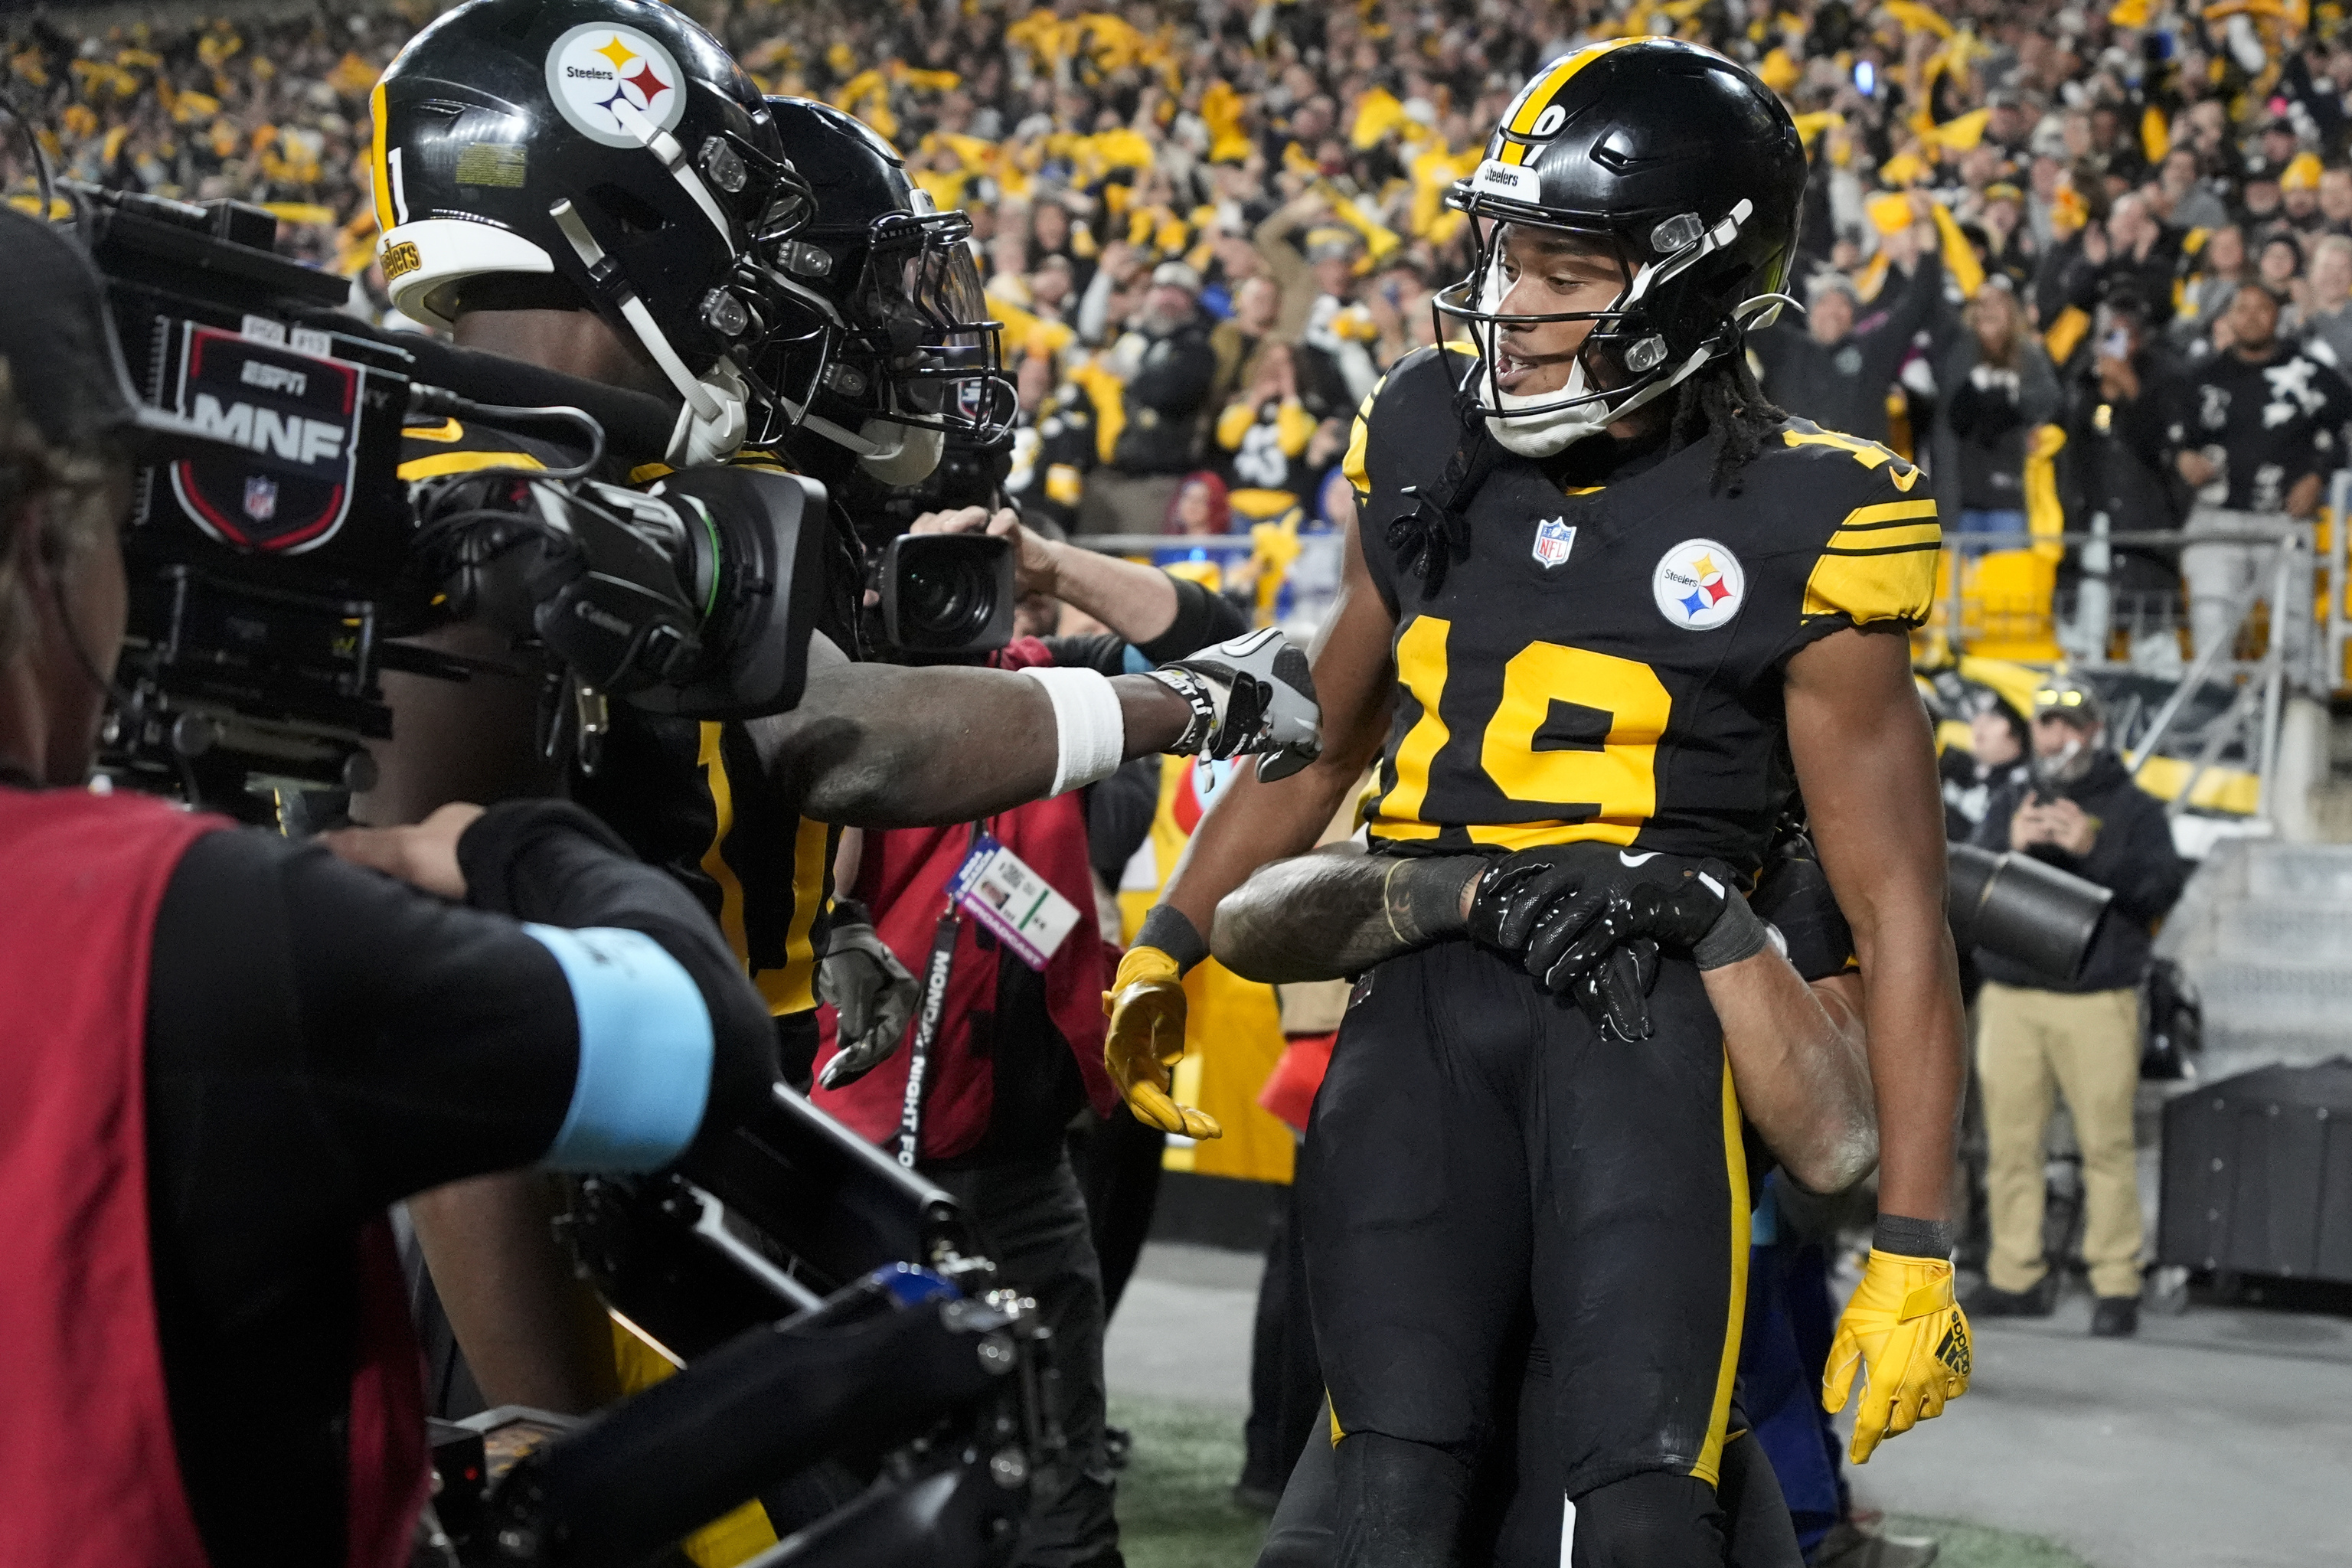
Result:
x=2132 y=854
x=1842 y=387
x=1164 y=402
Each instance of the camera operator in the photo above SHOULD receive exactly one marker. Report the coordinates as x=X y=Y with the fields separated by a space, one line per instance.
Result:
x=634 y=287
x=982 y=1098
x=2081 y=812
x=228 y=1053
x=2256 y=426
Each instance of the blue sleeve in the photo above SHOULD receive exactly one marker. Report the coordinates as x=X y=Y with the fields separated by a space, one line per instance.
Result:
x=645 y=1048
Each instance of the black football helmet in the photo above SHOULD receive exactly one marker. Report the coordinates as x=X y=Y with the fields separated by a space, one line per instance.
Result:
x=1687 y=166
x=604 y=153
x=896 y=352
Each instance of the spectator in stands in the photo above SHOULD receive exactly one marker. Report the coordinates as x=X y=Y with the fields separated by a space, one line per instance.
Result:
x=1257 y=306
x=1997 y=387
x=2221 y=265
x=1835 y=371
x=1998 y=740
x=2279 y=269
x=2135 y=243
x=2255 y=429
x=2118 y=434
x=2193 y=206
x=1264 y=434
x=1166 y=363
x=2326 y=330
x=2081 y=812
x=1199 y=507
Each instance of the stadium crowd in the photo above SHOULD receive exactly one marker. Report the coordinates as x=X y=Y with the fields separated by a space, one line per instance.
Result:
x=1209 y=230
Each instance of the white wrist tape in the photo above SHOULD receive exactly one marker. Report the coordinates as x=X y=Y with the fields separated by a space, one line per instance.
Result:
x=1089 y=727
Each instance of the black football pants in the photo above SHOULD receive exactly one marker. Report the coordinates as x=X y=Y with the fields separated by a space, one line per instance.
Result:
x=1479 y=1150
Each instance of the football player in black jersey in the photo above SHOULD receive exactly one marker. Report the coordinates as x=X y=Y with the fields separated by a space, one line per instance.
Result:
x=1604 y=600
x=1791 y=1027
x=596 y=187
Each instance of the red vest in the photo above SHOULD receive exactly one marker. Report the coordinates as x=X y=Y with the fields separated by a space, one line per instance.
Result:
x=902 y=876
x=89 y=1473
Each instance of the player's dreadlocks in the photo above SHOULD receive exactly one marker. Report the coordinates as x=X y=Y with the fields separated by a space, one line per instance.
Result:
x=1724 y=397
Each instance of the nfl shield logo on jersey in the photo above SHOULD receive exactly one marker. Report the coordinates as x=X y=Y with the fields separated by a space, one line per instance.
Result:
x=1555 y=537
x=1699 y=584
x=260 y=497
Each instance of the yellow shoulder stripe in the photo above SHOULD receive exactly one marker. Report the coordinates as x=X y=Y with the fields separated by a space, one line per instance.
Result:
x=1888 y=527
x=1869 y=454
x=441 y=463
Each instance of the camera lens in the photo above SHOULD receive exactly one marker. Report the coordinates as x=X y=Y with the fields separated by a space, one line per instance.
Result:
x=944 y=600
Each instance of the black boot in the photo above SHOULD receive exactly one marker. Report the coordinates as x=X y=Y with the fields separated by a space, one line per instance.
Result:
x=2116 y=1316
x=2038 y=1300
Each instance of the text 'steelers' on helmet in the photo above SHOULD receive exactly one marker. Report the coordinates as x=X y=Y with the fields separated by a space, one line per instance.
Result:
x=1683 y=164
x=895 y=352
x=605 y=154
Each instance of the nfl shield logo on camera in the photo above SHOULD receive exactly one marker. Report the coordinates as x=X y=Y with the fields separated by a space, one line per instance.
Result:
x=1555 y=537
x=260 y=497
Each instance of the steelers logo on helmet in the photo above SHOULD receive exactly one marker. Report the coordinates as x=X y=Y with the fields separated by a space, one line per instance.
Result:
x=1699 y=585
x=604 y=79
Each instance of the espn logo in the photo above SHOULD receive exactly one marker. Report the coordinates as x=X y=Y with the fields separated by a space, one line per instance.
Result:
x=265 y=430
x=1498 y=178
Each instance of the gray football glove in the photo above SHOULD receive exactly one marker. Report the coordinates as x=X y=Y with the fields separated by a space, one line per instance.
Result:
x=1252 y=695
x=871 y=992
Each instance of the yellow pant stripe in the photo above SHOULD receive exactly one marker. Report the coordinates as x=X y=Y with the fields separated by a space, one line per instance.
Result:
x=1735 y=1170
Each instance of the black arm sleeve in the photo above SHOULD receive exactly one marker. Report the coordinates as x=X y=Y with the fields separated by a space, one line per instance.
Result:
x=1202 y=618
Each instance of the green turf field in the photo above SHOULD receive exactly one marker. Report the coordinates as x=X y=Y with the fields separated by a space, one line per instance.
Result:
x=1176 y=1507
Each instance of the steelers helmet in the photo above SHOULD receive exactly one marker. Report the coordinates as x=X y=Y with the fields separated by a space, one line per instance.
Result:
x=1680 y=160
x=893 y=355
x=605 y=154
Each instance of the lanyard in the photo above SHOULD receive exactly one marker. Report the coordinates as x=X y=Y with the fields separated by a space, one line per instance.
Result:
x=927 y=1032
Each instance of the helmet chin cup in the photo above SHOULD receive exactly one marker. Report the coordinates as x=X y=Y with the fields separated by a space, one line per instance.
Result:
x=902 y=454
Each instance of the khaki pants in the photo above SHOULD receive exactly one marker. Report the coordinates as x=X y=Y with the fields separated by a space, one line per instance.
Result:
x=2088 y=1047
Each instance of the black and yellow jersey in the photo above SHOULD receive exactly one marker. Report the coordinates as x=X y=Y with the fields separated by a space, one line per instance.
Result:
x=685 y=794
x=1606 y=663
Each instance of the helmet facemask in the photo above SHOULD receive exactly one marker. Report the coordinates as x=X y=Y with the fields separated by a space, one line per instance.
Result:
x=1628 y=337
x=909 y=359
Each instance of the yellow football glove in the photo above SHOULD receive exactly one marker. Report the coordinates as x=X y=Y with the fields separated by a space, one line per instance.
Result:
x=1904 y=1323
x=1145 y=1005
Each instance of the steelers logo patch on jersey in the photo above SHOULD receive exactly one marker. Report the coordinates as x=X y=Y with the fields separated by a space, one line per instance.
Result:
x=605 y=79
x=1699 y=584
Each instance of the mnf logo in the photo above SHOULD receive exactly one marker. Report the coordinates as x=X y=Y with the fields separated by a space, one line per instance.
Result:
x=297 y=414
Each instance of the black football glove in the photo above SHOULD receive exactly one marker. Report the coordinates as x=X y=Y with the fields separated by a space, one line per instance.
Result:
x=1672 y=901
x=1552 y=894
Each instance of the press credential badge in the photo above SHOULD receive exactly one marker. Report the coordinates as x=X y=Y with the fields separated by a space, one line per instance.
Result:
x=997 y=888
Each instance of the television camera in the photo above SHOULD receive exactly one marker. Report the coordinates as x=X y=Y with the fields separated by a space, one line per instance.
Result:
x=269 y=592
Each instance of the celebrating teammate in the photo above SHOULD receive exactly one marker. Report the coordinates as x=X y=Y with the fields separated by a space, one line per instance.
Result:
x=596 y=187
x=1604 y=601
